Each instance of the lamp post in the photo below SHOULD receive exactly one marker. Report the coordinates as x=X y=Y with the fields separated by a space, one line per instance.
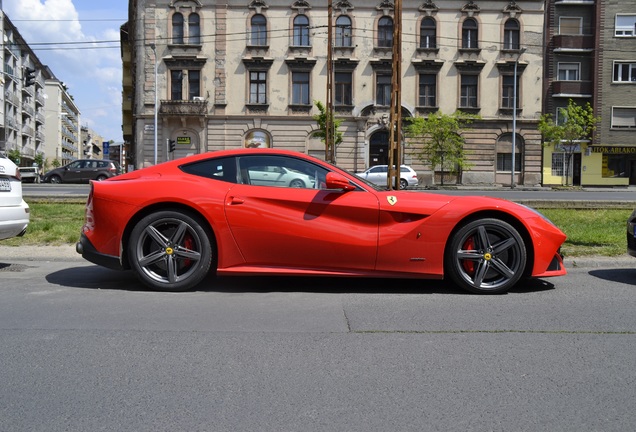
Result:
x=514 y=120
x=153 y=47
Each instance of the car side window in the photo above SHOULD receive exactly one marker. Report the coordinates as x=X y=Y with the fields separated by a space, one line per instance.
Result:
x=223 y=169
x=281 y=171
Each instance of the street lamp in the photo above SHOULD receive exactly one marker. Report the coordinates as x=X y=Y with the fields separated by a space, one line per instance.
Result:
x=514 y=119
x=154 y=50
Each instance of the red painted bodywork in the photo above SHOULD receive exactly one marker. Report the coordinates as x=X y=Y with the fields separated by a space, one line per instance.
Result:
x=272 y=230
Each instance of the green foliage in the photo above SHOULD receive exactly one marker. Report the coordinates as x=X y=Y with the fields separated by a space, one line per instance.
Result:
x=443 y=145
x=579 y=124
x=39 y=159
x=56 y=163
x=321 y=119
x=14 y=154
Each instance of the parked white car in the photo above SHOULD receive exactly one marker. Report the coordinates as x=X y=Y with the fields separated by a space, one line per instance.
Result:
x=377 y=175
x=14 y=212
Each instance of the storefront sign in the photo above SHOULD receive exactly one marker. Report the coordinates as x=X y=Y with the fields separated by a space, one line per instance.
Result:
x=613 y=150
x=184 y=140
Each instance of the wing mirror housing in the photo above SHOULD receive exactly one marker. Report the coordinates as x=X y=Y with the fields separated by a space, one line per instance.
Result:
x=338 y=181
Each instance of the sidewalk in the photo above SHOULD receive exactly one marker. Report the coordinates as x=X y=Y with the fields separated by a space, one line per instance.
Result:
x=67 y=253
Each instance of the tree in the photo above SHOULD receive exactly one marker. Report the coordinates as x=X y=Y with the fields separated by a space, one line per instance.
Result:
x=14 y=154
x=577 y=124
x=321 y=119
x=443 y=145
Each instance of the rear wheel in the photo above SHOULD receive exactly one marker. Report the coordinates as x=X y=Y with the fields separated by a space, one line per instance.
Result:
x=403 y=184
x=170 y=251
x=486 y=256
x=101 y=177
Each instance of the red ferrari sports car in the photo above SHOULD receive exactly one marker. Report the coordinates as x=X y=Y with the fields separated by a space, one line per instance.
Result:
x=277 y=212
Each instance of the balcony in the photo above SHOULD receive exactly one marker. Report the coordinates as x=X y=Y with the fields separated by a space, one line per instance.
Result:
x=573 y=43
x=572 y=88
x=184 y=107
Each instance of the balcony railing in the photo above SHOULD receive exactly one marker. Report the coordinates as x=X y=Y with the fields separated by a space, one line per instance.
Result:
x=574 y=42
x=184 y=107
x=572 y=88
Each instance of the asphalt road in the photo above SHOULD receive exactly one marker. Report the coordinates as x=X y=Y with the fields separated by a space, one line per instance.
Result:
x=86 y=348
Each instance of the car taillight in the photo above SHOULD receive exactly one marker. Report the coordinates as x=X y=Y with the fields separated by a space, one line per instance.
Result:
x=89 y=221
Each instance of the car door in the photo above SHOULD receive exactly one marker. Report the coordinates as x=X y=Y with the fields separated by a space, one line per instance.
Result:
x=304 y=228
x=73 y=172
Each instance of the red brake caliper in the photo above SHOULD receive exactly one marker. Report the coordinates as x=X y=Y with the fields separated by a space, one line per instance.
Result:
x=469 y=266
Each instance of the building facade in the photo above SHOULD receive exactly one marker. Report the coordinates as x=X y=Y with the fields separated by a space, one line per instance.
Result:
x=23 y=112
x=63 y=132
x=590 y=48
x=228 y=74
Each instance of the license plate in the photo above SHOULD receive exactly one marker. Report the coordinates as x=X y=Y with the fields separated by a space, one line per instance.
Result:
x=5 y=185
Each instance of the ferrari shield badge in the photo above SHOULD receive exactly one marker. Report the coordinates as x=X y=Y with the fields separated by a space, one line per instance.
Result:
x=392 y=199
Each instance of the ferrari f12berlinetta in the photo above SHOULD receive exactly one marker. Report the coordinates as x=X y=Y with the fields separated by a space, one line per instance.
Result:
x=277 y=212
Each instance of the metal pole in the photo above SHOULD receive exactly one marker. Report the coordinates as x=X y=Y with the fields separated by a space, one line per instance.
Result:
x=514 y=120
x=154 y=50
x=329 y=120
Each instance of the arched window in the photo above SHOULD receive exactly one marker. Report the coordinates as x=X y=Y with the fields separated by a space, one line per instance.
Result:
x=258 y=30
x=385 y=32
x=344 y=31
x=428 y=33
x=177 y=28
x=301 y=31
x=194 y=29
x=470 y=34
x=511 y=35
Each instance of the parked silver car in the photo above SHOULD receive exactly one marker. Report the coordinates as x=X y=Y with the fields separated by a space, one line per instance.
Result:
x=377 y=175
x=14 y=212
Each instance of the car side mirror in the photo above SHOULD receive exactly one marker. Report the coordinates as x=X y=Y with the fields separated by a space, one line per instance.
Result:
x=338 y=181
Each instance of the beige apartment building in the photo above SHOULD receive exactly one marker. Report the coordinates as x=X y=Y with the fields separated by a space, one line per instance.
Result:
x=229 y=74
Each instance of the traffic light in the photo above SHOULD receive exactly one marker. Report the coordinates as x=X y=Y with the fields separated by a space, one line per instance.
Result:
x=29 y=77
x=171 y=144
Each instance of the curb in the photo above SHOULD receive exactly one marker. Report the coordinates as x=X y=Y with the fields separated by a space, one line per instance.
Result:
x=68 y=253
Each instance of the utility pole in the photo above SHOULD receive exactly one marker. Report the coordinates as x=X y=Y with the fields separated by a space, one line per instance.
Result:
x=329 y=126
x=395 y=118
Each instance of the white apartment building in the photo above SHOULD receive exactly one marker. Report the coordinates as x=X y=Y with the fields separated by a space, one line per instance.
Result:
x=228 y=74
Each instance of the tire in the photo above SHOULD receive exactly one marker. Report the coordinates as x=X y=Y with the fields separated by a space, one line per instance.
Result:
x=486 y=256
x=55 y=179
x=404 y=184
x=297 y=183
x=101 y=177
x=170 y=251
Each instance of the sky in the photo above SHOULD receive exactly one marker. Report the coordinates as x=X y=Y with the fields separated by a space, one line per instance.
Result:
x=79 y=41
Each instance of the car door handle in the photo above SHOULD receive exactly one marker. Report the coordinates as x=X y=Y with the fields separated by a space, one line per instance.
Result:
x=236 y=201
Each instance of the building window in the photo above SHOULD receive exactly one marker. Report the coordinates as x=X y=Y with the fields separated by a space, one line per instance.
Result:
x=624 y=118
x=343 y=88
x=301 y=31
x=194 y=29
x=300 y=88
x=469 y=34
x=570 y=26
x=504 y=153
x=258 y=35
x=508 y=91
x=194 y=84
x=385 y=32
x=624 y=72
x=344 y=31
x=468 y=96
x=558 y=164
x=569 y=71
x=511 y=35
x=428 y=33
x=428 y=90
x=177 y=29
x=383 y=89
x=258 y=87
x=176 y=85
x=192 y=81
x=625 y=26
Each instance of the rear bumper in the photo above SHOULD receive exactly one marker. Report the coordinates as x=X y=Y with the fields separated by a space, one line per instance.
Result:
x=14 y=220
x=85 y=248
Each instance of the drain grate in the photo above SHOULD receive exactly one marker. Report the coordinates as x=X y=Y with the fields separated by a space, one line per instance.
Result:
x=12 y=267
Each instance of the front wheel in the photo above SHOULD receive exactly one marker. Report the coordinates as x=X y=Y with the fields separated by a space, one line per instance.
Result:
x=403 y=184
x=55 y=179
x=486 y=256
x=170 y=251
x=297 y=183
